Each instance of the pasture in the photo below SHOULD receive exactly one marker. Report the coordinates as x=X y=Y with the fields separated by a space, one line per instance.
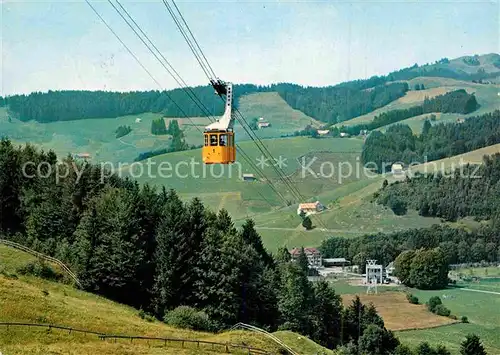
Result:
x=482 y=310
x=486 y=96
x=398 y=314
x=28 y=299
x=97 y=136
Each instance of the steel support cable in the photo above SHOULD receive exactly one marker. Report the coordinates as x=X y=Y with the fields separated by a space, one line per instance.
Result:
x=177 y=22
x=288 y=183
x=160 y=86
x=185 y=37
x=156 y=56
x=194 y=39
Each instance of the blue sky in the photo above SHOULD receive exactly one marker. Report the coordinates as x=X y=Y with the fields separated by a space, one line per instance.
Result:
x=63 y=45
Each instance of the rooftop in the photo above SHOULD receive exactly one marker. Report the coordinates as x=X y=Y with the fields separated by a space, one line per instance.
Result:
x=296 y=251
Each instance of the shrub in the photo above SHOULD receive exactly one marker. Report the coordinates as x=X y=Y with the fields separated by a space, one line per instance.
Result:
x=452 y=316
x=464 y=319
x=441 y=310
x=412 y=298
x=188 y=318
x=146 y=316
x=41 y=269
x=433 y=303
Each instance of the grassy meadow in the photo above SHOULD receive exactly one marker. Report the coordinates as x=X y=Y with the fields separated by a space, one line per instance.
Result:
x=29 y=299
x=481 y=309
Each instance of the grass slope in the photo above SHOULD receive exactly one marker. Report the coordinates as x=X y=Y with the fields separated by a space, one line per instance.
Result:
x=398 y=314
x=486 y=96
x=32 y=300
x=482 y=310
x=451 y=163
x=97 y=136
x=222 y=186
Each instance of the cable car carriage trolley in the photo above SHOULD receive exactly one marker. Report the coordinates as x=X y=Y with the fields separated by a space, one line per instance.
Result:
x=219 y=147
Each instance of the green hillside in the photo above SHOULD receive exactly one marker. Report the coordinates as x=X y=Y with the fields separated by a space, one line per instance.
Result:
x=27 y=299
x=486 y=96
x=97 y=136
x=220 y=184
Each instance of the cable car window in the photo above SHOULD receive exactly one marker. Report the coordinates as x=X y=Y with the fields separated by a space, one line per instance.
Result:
x=213 y=140
x=223 y=140
x=206 y=140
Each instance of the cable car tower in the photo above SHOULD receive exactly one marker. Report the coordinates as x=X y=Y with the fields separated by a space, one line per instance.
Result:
x=219 y=147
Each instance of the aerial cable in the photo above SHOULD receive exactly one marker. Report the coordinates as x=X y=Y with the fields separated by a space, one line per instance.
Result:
x=180 y=109
x=198 y=104
x=187 y=40
x=194 y=39
x=207 y=111
x=149 y=48
x=288 y=183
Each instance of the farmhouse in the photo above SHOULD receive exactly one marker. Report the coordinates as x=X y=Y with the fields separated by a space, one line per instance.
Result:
x=313 y=256
x=263 y=124
x=310 y=208
x=335 y=262
x=323 y=132
x=389 y=270
x=397 y=169
x=344 y=134
x=249 y=177
x=138 y=120
x=83 y=155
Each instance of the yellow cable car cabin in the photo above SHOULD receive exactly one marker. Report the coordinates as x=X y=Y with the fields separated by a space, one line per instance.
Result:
x=219 y=147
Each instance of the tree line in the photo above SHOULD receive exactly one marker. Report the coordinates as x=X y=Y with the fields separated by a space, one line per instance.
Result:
x=437 y=141
x=122 y=131
x=149 y=249
x=458 y=101
x=177 y=144
x=79 y=104
x=334 y=104
x=458 y=245
x=471 y=190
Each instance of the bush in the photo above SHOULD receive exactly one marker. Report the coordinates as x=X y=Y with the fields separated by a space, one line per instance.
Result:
x=452 y=316
x=464 y=319
x=433 y=303
x=412 y=298
x=39 y=268
x=441 y=310
x=146 y=316
x=188 y=318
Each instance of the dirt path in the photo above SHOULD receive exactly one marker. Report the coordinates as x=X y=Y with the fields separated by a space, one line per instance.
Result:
x=482 y=291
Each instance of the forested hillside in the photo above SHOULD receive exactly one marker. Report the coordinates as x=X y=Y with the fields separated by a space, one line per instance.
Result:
x=437 y=141
x=458 y=101
x=347 y=100
x=339 y=103
x=468 y=191
x=459 y=245
x=148 y=249
x=331 y=104
x=70 y=105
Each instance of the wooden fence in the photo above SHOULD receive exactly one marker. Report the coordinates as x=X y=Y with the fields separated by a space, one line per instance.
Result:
x=225 y=347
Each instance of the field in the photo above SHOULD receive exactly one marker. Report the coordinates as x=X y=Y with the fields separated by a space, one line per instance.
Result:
x=413 y=324
x=223 y=186
x=448 y=164
x=97 y=136
x=482 y=310
x=398 y=314
x=32 y=300
x=486 y=96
